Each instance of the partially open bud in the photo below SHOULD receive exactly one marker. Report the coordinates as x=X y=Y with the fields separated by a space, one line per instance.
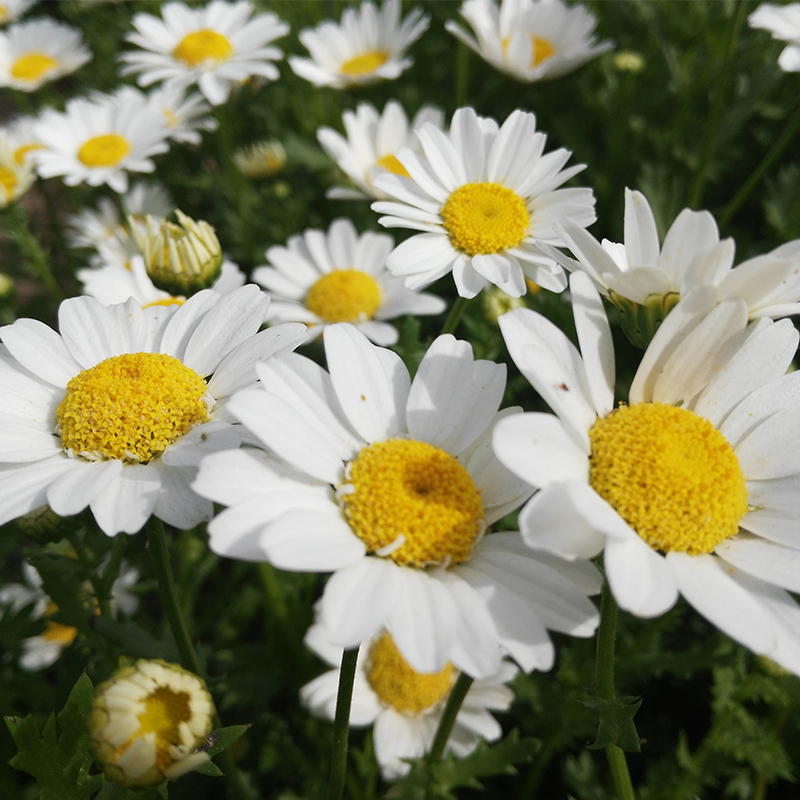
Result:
x=640 y=321
x=260 y=160
x=148 y=722
x=180 y=259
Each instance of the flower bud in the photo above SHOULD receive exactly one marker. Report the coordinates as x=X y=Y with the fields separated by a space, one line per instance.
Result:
x=260 y=160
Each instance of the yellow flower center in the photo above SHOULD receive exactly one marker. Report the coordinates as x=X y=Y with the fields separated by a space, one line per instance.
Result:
x=165 y=710
x=344 y=295
x=21 y=153
x=400 y=686
x=365 y=64
x=130 y=407
x=413 y=502
x=391 y=164
x=485 y=218
x=8 y=180
x=5 y=14
x=55 y=631
x=199 y=47
x=541 y=50
x=670 y=475
x=106 y=150
x=32 y=66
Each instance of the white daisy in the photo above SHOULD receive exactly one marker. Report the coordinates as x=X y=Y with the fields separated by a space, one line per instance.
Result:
x=185 y=114
x=101 y=140
x=213 y=47
x=404 y=705
x=322 y=278
x=371 y=145
x=21 y=138
x=15 y=177
x=14 y=9
x=691 y=488
x=37 y=52
x=390 y=484
x=645 y=280
x=530 y=40
x=784 y=24
x=483 y=196
x=84 y=421
x=367 y=46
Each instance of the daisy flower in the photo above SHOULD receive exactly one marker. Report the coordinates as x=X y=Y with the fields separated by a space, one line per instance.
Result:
x=260 y=159
x=322 y=278
x=185 y=114
x=85 y=421
x=213 y=47
x=368 y=46
x=404 y=705
x=783 y=22
x=100 y=140
x=390 y=484
x=644 y=280
x=530 y=40
x=15 y=177
x=690 y=488
x=36 y=52
x=371 y=144
x=14 y=9
x=21 y=138
x=483 y=196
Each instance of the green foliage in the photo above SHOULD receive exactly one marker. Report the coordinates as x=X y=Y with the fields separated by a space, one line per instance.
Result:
x=616 y=723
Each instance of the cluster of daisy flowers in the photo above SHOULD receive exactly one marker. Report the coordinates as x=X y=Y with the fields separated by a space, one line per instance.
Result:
x=458 y=533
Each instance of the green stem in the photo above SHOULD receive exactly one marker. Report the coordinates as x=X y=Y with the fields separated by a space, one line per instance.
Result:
x=341 y=725
x=457 y=695
x=462 y=74
x=604 y=679
x=453 y=318
x=780 y=144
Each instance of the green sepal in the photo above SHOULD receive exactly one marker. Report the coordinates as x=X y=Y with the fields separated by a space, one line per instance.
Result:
x=640 y=321
x=616 y=723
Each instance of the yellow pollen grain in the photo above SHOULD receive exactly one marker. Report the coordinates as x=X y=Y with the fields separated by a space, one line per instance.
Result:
x=484 y=218
x=344 y=295
x=392 y=164
x=670 y=475
x=8 y=180
x=33 y=66
x=165 y=710
x=131 y=407
x=410 y=489
x=364 y=64
x=106 y=150
x=541 y=50
x=200 y=47
x=400 y=686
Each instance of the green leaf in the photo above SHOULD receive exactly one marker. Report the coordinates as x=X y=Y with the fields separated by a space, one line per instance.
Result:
x=134 y=641
x=616 y=723
x=75 y=744
x=218 y=741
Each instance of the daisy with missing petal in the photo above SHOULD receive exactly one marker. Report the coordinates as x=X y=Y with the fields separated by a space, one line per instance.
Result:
x=100 y=140
x=689 y=489
x=15 y=178
x=214 y=47
x=482 y=196
x=405 y=706
x=371 y=144
x=84 y=420
x=783 y=22
x=390 y=484
x=322 y=278
x=644 y=280
x=37 y=52
x=530 y=40
x=368 y=46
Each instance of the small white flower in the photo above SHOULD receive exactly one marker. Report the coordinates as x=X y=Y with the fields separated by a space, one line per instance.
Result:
x=372 y=143
x=405 y=706
x=530 y=40
x=322 y=278
x=13 y=9
x=214 y=47
x=784 y=24
x=185 y=114
x=367 y=46
x=21 y=138
x=16 y=176
x=260 y=159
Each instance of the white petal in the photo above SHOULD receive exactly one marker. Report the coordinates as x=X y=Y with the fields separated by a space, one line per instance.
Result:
x=24 y=488
x=41 y=351
x=641 y=234
x=126 y=505
x=765 y=560
x=772 y=450
x=74 y=490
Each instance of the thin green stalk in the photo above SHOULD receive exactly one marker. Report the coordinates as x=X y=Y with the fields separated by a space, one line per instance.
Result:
x=453 y=318
x=462 y=74
x=604 y=679
x=341 y=725
x=457 y=695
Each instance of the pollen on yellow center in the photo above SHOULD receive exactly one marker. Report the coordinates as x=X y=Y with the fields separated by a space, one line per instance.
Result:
x=364 y=64
x=106 y=150
x=344 y=295
x=414 y=500
x=392 y=164
x=130 y=407
x=484 y=218
x=33 y=66
x=400 y=686
x=541 y=50
x=199 y=47
x=670 y=475
x=165 y=710
x=8 y=180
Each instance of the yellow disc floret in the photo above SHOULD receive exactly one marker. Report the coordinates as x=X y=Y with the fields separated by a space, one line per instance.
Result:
x=364 y=64
x=484 y=218
x=8 y=181
x=130 y=407
x=165 y=711
x=670 y=475
x=344 y=295
x=413 y=502
x=199 y=47
x=392 y=164
x=541 y=50
x=400 y=686
x=32 y=66
x=106 y=150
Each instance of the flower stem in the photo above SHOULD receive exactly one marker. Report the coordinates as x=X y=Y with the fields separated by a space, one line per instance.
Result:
x=341 y=724
x=604 y=679
x=453 y=318
x=457 y=695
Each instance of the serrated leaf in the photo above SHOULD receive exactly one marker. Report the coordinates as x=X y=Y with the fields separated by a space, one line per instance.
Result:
x=616 y=723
